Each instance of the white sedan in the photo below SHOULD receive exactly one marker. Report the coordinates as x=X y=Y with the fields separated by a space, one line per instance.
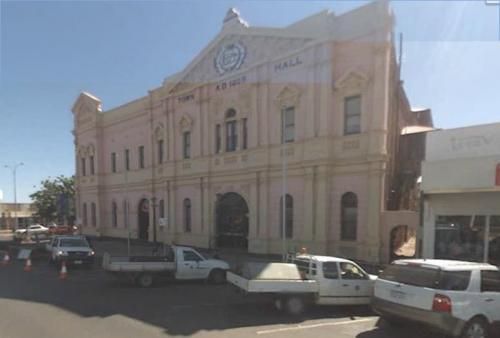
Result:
x=31 y=230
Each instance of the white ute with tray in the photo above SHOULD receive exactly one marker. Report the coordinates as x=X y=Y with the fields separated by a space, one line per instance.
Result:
x=176 y=262
x=306 y=280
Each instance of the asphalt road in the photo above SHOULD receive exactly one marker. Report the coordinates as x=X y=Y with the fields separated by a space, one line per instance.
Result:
x=89 y=303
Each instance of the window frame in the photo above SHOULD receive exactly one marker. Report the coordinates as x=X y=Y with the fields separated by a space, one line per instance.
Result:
x=160 y=150
x=114 y=214
x=84 y=216
x=244 y=133
x=83 y=166
x=187 y=210
x=142 y=162
x=286 y=125
x=231 y=136
x=127 y=159
x=186 y=145
x=289 y=211
x=348 y=115
x=113 y=162
x=92 y=165
x=93 y=214
x=218 y=138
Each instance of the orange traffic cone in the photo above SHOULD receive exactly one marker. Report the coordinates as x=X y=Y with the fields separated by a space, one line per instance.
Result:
x=6 y=259
x=27 y=266
x=64 y=272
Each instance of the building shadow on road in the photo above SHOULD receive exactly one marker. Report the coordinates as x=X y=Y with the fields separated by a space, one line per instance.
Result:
x=383 y=329
x=177 y=308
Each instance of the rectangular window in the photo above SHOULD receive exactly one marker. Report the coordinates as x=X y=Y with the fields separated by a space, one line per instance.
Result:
x=288 y=125
x=141 y=157
x=92 y=166
x=490 y=281
x=127 y=159
x=244 y=144
x=162 y=209
x=93 y=214
x=330 y=270
x=113 y=162
x=187 y=144
x=83 y=166
x=218 y=139
x=352 y=115
x=160 y=151
x=231 y=136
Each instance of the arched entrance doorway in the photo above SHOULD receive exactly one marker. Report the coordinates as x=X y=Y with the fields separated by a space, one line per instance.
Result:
x=143 y=215
x=232 y=221
x=402 y=242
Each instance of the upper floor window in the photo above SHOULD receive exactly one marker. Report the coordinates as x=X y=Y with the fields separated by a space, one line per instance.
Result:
x=187 y=215
x=114 y=214
x=349 y=217
x=162 y=208
x=83 y=165
x=218 y=139
x=288 y=124
x=160 y=151
x=92 y=165
x=231 y=130
x=127 y=159
x=141 y=157
x=186 y=145
x=352 y=115
x=93 y=214
x=288 y=216
x=244 y=142
x=113 y=162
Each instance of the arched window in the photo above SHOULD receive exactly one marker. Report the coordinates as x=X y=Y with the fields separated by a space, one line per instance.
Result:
x=84 y=216
x=93 y=214
x=187 y=215
x=288 y=216
x=114 y=214
x=349 y=217
x=231 y=130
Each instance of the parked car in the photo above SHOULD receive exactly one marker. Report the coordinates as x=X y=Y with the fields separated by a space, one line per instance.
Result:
x=62 y=229
x=306 y=280
x=35 y=229
x=74 y=250
x=457 y=298
x=177 y=262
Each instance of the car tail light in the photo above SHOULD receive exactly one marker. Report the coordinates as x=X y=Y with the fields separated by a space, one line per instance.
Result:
x=441 y=303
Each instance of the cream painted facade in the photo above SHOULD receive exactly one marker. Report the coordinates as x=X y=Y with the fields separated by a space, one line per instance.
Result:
x=311 y=67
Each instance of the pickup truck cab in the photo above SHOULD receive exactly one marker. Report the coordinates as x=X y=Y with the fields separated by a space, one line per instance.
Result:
x=74 y=250
x=305 y=280
x=177 y=262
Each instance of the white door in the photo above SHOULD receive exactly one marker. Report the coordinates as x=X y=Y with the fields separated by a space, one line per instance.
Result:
x=188 y=265
x=490 y=294
x=356 y=284
x=330 y=285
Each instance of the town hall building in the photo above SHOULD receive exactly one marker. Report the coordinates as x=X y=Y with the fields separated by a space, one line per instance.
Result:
x=291 y=132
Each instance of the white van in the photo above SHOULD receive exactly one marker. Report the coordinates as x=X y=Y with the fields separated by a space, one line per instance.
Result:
x=461 y=299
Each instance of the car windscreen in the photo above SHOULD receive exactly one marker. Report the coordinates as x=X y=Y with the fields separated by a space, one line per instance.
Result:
x=421 y=276
x=73 y=243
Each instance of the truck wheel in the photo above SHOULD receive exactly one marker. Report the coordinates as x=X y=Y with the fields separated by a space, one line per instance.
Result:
x=145 y=280
x=294 y=305
x=476 y=328
x=217 y=276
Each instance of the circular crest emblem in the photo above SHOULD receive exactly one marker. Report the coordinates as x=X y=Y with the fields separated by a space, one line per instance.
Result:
x=230 y=57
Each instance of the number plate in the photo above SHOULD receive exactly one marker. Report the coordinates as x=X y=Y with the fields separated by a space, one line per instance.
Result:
x=398 y=294
x=78 y=262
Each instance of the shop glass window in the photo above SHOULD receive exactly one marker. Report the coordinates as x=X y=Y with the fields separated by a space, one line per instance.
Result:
x=460 y=238
x=494 y=240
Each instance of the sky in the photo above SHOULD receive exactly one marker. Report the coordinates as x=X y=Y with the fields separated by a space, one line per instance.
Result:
x=117 y=50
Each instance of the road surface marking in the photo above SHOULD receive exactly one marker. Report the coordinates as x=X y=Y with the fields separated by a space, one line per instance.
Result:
x=312 y=326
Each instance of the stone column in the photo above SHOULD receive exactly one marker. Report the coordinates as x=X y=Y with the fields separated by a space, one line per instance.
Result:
x=375 y=201
x=322 y=206
x=308 y=231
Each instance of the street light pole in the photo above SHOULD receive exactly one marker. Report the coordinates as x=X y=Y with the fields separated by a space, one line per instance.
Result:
x=13 y=168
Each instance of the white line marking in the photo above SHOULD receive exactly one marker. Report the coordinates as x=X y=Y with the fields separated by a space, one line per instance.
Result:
x=312 y=326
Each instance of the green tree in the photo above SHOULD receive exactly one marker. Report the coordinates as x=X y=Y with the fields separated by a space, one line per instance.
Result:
x=55 y=200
